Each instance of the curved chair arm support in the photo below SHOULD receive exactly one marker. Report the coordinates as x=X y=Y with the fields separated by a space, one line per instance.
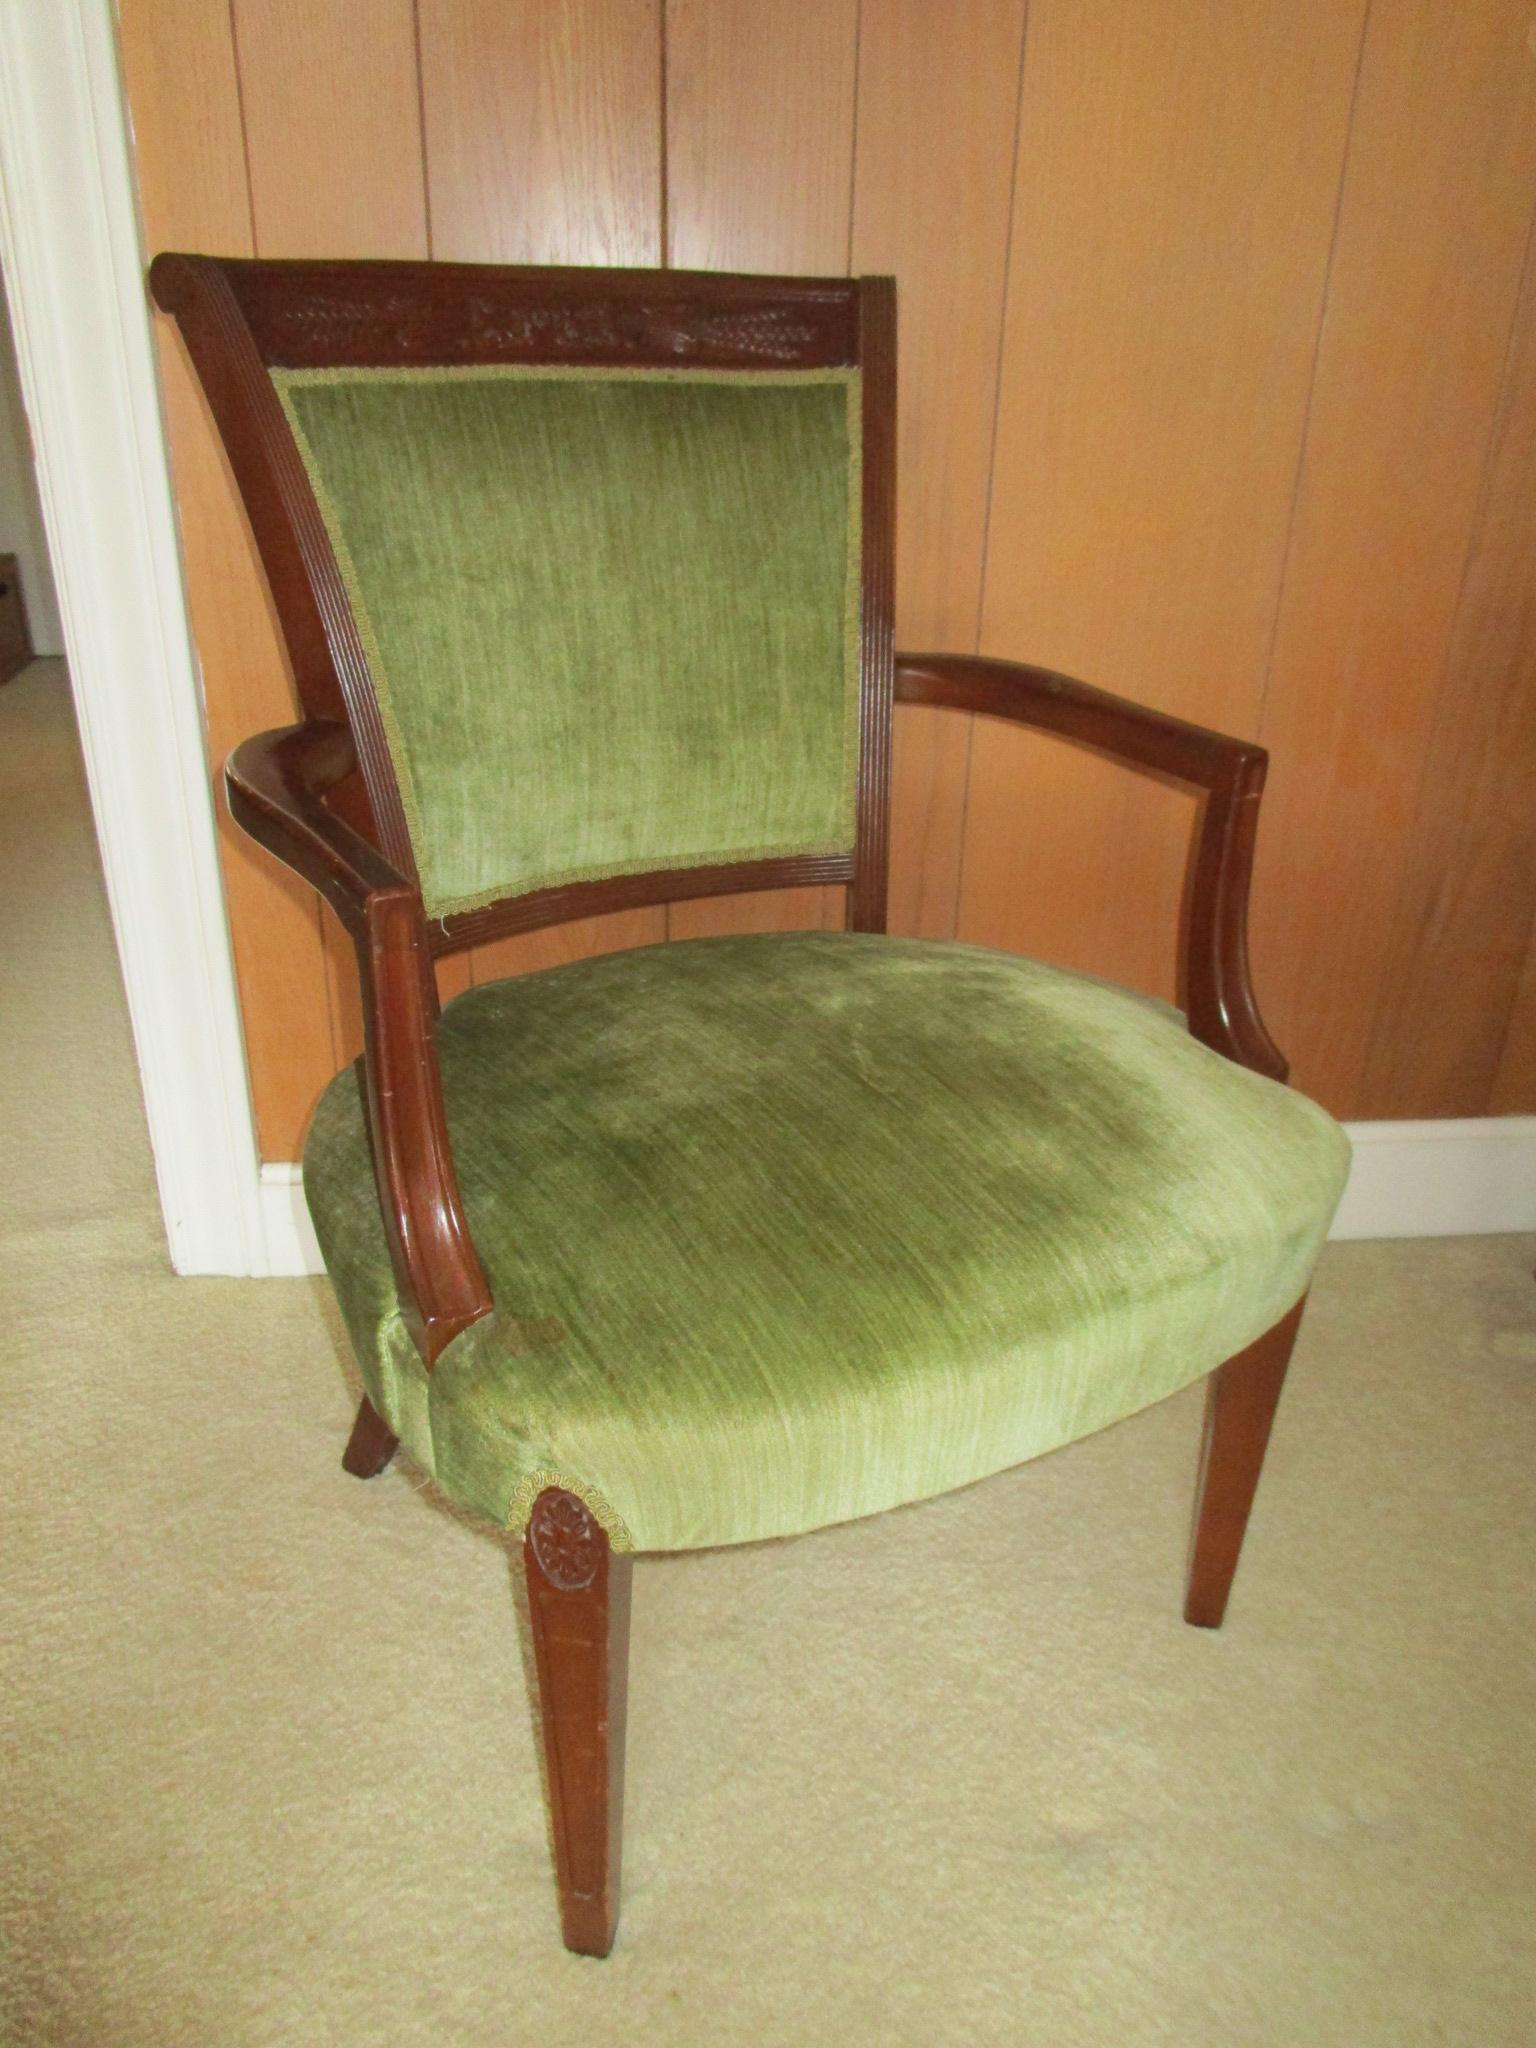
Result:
x=276 y=783
x=1222 y=1009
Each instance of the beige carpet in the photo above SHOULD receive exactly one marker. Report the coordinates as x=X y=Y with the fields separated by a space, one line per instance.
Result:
x=957 y=1775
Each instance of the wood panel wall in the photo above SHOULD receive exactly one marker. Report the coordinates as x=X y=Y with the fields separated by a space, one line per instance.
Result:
x=1218 y=386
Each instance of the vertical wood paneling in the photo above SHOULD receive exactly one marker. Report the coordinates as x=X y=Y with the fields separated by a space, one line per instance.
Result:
x=543 y=145
x=179 y=72
x=543 y=130
x=936 y=218
x=760 y=106
x=1432 y=231
x=183 y=92
x=1177 y=176
x=1467 y=897
x=332 y=126
x=348 y=181
x=1514 y=1083
x=759 y=123
x=333 y=173
x=1203 y=336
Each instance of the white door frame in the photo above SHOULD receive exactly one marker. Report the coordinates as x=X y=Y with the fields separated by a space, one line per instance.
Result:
x=69 y=242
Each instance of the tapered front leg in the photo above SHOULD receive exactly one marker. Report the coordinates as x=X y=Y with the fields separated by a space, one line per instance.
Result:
x=371 y=1445
x=1241 y=1397
x=578 y=1599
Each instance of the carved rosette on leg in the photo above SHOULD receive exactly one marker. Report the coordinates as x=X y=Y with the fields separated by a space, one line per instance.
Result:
x=578 y=1602
x=564 y=1539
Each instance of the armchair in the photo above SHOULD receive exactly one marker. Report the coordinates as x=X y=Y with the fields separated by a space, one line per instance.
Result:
x=586 y=577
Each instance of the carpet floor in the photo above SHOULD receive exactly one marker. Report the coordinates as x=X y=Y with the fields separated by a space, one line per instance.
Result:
x=958 y=1774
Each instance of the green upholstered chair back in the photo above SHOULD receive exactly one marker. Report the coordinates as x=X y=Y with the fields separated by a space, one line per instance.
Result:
x=591 y=554
x=611 y=615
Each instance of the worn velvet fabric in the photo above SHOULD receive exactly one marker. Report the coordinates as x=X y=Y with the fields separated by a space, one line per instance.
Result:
x=611 y=615
x=785 y=1229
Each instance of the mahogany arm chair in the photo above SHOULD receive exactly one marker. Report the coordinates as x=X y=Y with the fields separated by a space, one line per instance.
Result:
x=586 y=581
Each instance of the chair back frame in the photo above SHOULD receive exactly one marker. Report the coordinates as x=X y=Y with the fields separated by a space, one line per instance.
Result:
x=241 y=318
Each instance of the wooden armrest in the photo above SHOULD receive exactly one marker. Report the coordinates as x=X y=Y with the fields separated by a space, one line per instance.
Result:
x=1222 y=1009
x=1057 y=703
x=276 y=783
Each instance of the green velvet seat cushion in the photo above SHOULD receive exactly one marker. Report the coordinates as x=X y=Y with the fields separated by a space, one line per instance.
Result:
x=611 y=615
x=786 y=1229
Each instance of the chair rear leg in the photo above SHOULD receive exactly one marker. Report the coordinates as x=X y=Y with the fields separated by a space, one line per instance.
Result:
x=1241 y=1397
x=578 y=1600
x=371 y=1445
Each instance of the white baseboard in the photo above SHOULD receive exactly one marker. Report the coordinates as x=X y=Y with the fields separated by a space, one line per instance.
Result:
x=290 y=1236
x=1442 y=1177
x=1445 y=1177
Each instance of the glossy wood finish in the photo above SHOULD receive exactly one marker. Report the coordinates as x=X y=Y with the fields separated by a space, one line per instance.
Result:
x=578 y=900
x=1240 y=1402
x=371 y=1445
x=277 y=784
x=333 y=315
x=877 y=349
x=578 y=1603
